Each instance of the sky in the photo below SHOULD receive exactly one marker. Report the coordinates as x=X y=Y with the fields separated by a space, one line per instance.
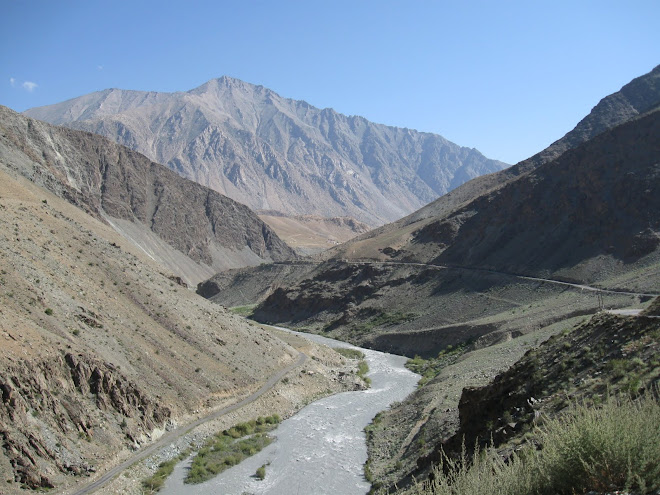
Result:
x=505 y=77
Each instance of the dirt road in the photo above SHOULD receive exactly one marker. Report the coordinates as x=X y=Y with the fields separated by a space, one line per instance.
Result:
x=179 y=432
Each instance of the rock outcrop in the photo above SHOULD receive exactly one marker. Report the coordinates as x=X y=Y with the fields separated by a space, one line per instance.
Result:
x=45 y=409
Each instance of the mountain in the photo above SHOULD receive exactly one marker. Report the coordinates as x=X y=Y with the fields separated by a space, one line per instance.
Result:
x=189 y=228
x=589 y=217
x=278 y=154
x=103 y=349
x=639 y=96
x=101 y=352
x=464 y=266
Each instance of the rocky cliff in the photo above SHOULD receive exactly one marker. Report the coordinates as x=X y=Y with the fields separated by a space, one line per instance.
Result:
x=36 y=391
x=273 y=153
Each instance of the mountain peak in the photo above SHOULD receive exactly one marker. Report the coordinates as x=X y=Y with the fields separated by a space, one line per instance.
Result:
x=222 y=83
x=274 y=153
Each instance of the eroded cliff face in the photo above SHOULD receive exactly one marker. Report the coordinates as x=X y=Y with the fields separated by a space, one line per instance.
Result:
x=56 y=413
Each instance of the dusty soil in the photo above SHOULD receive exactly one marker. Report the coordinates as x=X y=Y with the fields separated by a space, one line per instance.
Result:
x=312 y=234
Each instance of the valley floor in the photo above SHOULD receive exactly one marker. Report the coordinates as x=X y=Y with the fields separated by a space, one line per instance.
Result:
x=323 y=372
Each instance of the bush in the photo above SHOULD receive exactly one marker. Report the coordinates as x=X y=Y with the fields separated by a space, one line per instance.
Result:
x=350 y=353
x=261 y=472
x=614 y=447
x=230 y=447
x=155 y=483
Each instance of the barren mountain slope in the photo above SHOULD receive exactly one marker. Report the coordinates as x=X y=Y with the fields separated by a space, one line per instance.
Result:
x=193 y=230
x=590 y=216
x=635 y=98
x=101 y=350
x=313 y=234
x=586 y=215
x=273 y=153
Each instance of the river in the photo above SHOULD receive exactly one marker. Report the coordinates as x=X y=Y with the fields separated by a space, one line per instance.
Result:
x=321 y=449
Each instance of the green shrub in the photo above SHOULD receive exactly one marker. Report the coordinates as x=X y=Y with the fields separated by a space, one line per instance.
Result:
x=350 y=353
x=613 y=447
x=261 y=472
x=155 y=483
x=363 y=369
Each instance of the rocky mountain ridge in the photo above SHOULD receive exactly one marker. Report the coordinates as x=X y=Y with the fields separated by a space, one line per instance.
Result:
x=273 y=153
x=193 y=230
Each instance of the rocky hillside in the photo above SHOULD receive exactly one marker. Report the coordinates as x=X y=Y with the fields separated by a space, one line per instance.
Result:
x=605 y=356
x=451 y=271
x=501 y=393
x=635 y=98
x=273 y=153
x=102 y=350
x=593 y=207
x=189 y=228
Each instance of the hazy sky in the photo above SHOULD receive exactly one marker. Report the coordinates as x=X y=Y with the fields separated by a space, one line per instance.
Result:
x=505 y=77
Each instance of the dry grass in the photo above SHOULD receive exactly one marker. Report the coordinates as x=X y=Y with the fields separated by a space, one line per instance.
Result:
x=614 y=447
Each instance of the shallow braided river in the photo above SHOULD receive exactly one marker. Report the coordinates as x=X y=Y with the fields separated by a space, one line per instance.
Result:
x=320 y=450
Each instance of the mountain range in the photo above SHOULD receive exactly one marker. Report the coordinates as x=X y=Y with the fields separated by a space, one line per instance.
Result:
x=459 y=267
x=277 y=154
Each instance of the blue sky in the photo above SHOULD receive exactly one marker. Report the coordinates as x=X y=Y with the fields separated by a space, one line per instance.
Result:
x=505 y=77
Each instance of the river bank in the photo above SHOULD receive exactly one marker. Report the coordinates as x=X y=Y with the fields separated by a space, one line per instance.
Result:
x=325 y=372
x=322 y=448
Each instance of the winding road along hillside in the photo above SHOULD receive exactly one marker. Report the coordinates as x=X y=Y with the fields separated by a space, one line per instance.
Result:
x=179 y=432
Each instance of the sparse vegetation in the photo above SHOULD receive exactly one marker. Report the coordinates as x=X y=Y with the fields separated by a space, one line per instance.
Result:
x=350 y=353
x=363 y=369
x=244 y=310
x=382 y=320
x=155 y=483
x=230 y=447
x=613 y=447
x=429 y=368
